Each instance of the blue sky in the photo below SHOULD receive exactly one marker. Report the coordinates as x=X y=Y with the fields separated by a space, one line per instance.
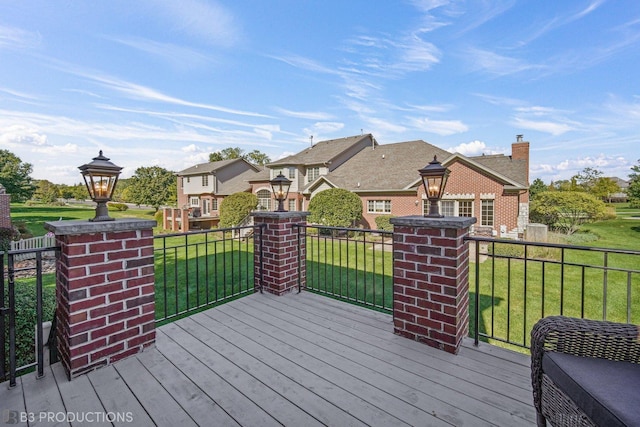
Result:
x=167 y=82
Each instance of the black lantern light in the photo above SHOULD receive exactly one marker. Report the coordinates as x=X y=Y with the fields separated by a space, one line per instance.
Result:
x=434 y=178
x=100 y=177
x=280 y=188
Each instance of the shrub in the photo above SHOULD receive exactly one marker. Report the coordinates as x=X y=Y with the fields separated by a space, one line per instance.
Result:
x=159 y=217
x=25 y=292
x=8 y=234
x=114 y=206
x=382 y=223
x=335 y=207
x=236 y=207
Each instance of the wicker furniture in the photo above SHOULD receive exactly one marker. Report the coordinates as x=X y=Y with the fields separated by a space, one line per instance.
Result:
x=585 y=372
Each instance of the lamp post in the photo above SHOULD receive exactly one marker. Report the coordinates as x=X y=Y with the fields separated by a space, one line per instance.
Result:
x=280 y=188
x=434 y=178
x=100 y=177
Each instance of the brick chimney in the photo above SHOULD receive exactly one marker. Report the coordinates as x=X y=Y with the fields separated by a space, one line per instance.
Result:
x=520 y=151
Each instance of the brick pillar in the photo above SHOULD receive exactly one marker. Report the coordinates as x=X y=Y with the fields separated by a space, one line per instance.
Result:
x=104 y=291
x=431 y=280
x=184 y=214
x=281 y=250
x=5 y=209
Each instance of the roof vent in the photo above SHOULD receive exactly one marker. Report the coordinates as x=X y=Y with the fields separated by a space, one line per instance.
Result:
x=383 y=156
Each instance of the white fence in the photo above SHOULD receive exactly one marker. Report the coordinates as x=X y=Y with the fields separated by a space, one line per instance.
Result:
x=32 y=243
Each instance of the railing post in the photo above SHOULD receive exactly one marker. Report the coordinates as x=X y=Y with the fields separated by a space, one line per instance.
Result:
x=431 y=280
x=104 y=291
x=283 y=255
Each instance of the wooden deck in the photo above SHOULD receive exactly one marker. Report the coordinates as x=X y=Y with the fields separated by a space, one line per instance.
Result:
x=295 y=360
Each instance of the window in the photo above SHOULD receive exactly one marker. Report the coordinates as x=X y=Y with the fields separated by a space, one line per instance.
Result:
x=194 y=201
x=379 y=206
x=487 y=213
x=181 y=181
x=206 y=206
x=188 y=179
x=205 y=180
x=465 y=208
x=313 y=174
x=447 y=207
x=264 y=200
x=214 y=204
x=292 y=173
x=292 y=205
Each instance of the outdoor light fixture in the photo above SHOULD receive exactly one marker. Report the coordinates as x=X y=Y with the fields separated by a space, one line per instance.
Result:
x=434 y=178
x=280 y=188
x=100 y=177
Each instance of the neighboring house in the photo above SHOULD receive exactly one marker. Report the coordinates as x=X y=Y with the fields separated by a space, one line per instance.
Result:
x=492 y=188
x=622 y=195
x=201 y=188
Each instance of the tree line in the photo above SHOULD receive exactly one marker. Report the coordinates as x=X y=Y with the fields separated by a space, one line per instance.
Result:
x=150 y=185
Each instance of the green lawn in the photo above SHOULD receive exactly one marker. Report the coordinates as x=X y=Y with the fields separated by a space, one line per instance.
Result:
x=34 y=217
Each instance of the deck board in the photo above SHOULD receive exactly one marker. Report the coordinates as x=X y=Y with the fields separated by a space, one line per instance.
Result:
x=299 y=359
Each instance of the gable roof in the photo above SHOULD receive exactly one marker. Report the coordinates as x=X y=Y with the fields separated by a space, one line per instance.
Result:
x=322 y=152
x=237 y=184
x=386 y=167
x=512 y=169
x=211 y=167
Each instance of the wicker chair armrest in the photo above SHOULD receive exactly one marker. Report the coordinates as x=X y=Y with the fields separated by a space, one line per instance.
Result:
x=581 y=337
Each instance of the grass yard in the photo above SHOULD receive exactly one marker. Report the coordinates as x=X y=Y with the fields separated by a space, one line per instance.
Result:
x=34 y=217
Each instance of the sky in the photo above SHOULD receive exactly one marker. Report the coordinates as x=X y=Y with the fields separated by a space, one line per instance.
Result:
x=165 y=82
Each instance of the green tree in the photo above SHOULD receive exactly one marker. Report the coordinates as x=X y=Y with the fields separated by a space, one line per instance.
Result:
x=154 y=186
x=565 y=211
x=587 y=179
x=80 y=191
x=257 y=158
x=236 y=207
x=15 y=176
x=633 y=192
x=46 y=191
x=335 y=207
x=604 y=188
x=65 y=191
x=536 y=187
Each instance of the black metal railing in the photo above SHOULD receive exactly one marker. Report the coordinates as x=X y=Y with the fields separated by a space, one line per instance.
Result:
x=199 y=269
x=27 y=300
x=351 y=264
x=517 y=283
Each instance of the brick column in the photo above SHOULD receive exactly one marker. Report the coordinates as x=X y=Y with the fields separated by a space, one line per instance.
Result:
x=282 y=253
x=104 y=290
x=431 y=280
x=5 y=209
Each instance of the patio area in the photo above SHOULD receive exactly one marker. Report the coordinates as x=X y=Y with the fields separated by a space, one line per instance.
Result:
x=295 y=360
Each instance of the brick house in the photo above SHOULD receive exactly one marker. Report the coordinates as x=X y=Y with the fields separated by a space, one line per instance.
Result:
x=492 y=188
x=201 y=189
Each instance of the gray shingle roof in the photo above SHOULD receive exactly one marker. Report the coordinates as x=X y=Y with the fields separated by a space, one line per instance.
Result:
x=208 y=167
x=321 y=152
x=237 y=184
x=505 y=165
x=387 y=167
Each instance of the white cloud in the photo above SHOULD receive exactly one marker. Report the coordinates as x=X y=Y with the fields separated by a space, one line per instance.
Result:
x=494 y=63
x=609 y=165
x=179 y=56
x=207 y=21
x=191 y=148
x=440 y=127
x=553 y=128
x=56 y=149
x=473 y=148
x=311 y=115
x=12 y=135
x=324 y=128
x=16 y=38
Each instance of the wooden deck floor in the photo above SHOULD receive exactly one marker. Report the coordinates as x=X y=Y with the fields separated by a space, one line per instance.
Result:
x=295 y=360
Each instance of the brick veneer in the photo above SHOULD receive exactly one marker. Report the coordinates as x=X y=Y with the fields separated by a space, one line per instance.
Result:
x=5 y=210
x=104 y=291
x=431 y=280
x=281 y=250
